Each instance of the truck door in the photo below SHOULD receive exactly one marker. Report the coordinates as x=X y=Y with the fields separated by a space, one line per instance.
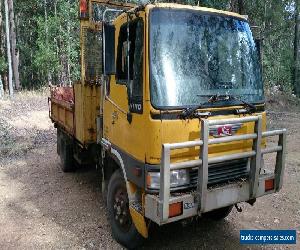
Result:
x=123 y=108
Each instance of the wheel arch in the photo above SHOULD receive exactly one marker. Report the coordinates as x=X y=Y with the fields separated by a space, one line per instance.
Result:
x=138 y=219
x=112 y=162
x=119 y=161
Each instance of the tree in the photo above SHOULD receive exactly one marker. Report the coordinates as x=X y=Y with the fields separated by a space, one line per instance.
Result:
x=10 y=80
x=47 y=39
x=296 y=78
x=237 y=6
x=1 y=58
x=13 y=39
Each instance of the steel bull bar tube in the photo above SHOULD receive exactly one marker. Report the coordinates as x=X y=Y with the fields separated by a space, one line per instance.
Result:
x=203 y=162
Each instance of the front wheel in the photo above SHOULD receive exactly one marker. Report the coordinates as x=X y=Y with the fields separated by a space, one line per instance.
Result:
x=123 y=228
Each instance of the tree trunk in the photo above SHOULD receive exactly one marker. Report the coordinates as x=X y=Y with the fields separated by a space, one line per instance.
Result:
x=69 y=47
x=47 y=39
x=297 y=51
x=241 y=7
x=1 y=51
x=237 y=6
x=10 y=83
x=5 y=83
x=13 y=39
x=1 y=89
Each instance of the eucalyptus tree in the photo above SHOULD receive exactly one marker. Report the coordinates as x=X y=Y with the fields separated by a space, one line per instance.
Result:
x=10 y=78
x=296 y=69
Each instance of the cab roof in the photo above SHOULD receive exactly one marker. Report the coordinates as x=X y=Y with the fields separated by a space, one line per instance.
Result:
x=197 y=8
x=148 y=7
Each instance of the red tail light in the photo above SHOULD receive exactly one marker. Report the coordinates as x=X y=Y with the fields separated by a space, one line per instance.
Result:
x=83 y=9
x=269 y=185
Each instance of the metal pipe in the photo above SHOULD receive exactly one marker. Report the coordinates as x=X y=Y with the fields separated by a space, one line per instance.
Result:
x=271 y=150
x=185 y=164
x=188 y=144
x=109 y=10
x=273 y=132
x=234 y=120
x=256 y=161
x=103 y=32
x=280 y=162
x=232 y=138
x=231 y=157
x=164 y=191
x=202 y=179
x=128 y=57
x=198 y=163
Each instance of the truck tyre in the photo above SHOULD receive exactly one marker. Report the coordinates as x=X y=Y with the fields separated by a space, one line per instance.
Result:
x=66 y=156
x=104 y=191
x=123 y=228
x=219 y=214
x=58 y=143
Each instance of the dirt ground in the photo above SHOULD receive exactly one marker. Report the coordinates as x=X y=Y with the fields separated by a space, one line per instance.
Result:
x=43 y=208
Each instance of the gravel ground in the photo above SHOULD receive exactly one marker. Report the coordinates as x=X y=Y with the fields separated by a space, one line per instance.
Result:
x=43 y=208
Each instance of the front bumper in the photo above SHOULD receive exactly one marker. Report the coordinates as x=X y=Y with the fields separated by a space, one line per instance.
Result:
x=206 y=199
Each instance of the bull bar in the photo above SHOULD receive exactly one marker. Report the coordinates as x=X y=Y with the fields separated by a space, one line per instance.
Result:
x=204 y=200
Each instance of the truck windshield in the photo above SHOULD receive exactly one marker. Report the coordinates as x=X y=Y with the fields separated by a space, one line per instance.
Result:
x=194 y=55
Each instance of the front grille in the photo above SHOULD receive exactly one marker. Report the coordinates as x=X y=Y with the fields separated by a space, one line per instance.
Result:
x=223 y=172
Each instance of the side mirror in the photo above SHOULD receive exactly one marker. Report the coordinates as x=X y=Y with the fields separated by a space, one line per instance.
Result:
x=109 y=65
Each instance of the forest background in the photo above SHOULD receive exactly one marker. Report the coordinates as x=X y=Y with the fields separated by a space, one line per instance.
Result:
x=39 y=39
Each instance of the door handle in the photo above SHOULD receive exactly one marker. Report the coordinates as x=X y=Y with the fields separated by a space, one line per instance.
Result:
x=114 y=117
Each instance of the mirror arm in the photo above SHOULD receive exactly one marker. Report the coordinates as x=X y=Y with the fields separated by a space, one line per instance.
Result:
x=109 y=10
x=128 y=51
x=103 y=38
x=129 y=115
x=103 y=51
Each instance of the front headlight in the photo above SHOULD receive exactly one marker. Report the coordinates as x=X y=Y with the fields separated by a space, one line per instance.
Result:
x=178 y=178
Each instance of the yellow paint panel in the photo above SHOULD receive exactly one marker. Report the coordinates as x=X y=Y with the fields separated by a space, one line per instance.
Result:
x=172 y=131
x=139 y=222
x=130 y=137
x=87 y=108
x=62 y=114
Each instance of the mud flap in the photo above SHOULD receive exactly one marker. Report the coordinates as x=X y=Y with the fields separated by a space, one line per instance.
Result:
x=139 y=222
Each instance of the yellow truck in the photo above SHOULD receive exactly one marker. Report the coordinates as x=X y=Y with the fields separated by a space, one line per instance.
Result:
x=170 y=108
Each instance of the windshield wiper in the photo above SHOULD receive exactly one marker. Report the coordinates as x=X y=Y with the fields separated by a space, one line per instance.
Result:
x=188 y=113
x=250 y=108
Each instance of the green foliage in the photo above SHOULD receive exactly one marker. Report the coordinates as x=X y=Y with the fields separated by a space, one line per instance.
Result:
x=2 y=64
x=276 y=21
x=218 y=4
x=48 y=38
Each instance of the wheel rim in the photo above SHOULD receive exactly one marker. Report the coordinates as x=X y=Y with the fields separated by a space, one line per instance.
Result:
x=121 y=209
